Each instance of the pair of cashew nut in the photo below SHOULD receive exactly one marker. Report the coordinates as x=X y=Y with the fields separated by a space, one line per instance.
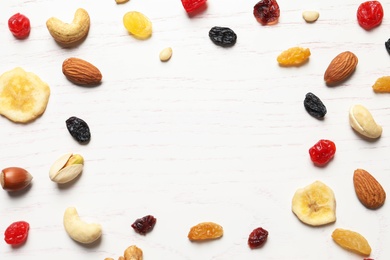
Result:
x=70 y=33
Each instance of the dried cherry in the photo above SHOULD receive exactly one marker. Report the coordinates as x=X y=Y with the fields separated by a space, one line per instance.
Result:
x=322 y=152
x=222 y=36
x=17 y=233
x=314 y=106
x=192 y=5
x=267 y=12
x=370 y=14
x=257 y=238
x=79 y=129
x=144 y=225
x=19 y=25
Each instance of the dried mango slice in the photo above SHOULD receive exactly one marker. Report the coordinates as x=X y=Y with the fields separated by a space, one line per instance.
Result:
x=23 y=95
x=351 y=241
x=137 y=24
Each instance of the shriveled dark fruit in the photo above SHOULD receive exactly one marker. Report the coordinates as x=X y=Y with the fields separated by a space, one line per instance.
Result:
x=314 y=106
x=222 y=36
x=79 y=129
x=144 y=225
x=387 y=45
x=257 y=238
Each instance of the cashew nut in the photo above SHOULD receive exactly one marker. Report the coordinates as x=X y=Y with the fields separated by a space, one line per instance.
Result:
x=79 y=230
x=65 y=33
x=362 y=121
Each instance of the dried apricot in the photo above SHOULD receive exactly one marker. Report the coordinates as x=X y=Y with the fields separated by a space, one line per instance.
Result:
x=294 y=56
x=382 y=85
x=351 y=241
x=205 y=231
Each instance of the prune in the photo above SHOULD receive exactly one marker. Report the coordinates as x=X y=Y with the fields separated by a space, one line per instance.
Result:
x=314 y=106
x=370 y=14
x=257 y=238
x=322 y=152
x=144 y=225
x=266 y=12
x=79 y=129
x=222 y=36
x=16 y=233
x=387 y=45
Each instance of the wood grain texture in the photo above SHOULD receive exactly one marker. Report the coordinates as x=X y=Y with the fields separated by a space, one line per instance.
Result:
x=213 y=134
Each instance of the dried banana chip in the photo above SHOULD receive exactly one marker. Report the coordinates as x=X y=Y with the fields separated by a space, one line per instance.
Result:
x=23 y=95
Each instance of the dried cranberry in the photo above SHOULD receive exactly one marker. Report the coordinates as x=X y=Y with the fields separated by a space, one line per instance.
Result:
x=266 y=12
x=19 y=25
x=322 y=152
x=16 y=233
x=192 y=5
x=370 y=14
x=144 y=225
x=257 y=238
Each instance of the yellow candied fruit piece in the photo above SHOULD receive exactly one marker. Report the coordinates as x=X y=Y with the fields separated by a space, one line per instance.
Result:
x=351 y=241
x=382 y=85
x=205 y=231
x=294 y=56
x=137 y=24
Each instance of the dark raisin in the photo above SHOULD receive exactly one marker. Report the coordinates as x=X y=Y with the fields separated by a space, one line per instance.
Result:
x=144 y=225
x=387 y=45
x=314 y=106
x=257 y=238
x=79 y=129
x=267 y=12
x=223 y=36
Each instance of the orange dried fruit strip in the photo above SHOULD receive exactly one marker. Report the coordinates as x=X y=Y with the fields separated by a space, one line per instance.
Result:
x=294 y=56
x=205 y=231
x=382 y=85
x=351 y=241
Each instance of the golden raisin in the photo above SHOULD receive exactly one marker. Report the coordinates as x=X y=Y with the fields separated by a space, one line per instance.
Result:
x=294 y=56
x=351 y=241
x=137 y=24
x=205 y=231
x=382 y=85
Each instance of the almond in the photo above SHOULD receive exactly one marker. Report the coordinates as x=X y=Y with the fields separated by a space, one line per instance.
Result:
x=368 y=189
x=81 y=72
x=340 y=68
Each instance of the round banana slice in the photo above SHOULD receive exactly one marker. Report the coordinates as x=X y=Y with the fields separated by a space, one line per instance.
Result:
x=315 y=204
x=23 y=95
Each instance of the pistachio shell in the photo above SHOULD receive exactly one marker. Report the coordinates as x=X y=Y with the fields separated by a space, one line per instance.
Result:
x=66 y=168
x=67 y=174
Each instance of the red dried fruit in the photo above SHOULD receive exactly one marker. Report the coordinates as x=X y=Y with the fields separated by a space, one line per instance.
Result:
x=192 y=5
x=16 y=233
x=370 y=14
x=266 y=12
x=144 y=225
x=322 y=152
x=257 y=238
x=19 y=25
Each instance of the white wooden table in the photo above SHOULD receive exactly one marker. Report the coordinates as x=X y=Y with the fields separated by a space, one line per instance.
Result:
x=214 y=134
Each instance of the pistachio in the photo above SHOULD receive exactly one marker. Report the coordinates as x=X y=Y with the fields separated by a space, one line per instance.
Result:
x=66 y=168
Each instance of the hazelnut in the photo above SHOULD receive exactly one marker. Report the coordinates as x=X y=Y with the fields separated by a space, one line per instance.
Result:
x=15 y=178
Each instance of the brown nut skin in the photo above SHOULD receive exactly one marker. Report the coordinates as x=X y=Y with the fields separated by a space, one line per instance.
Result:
x=368 y=190
x=340 y=68
x=15 y=178
x=81 y=72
